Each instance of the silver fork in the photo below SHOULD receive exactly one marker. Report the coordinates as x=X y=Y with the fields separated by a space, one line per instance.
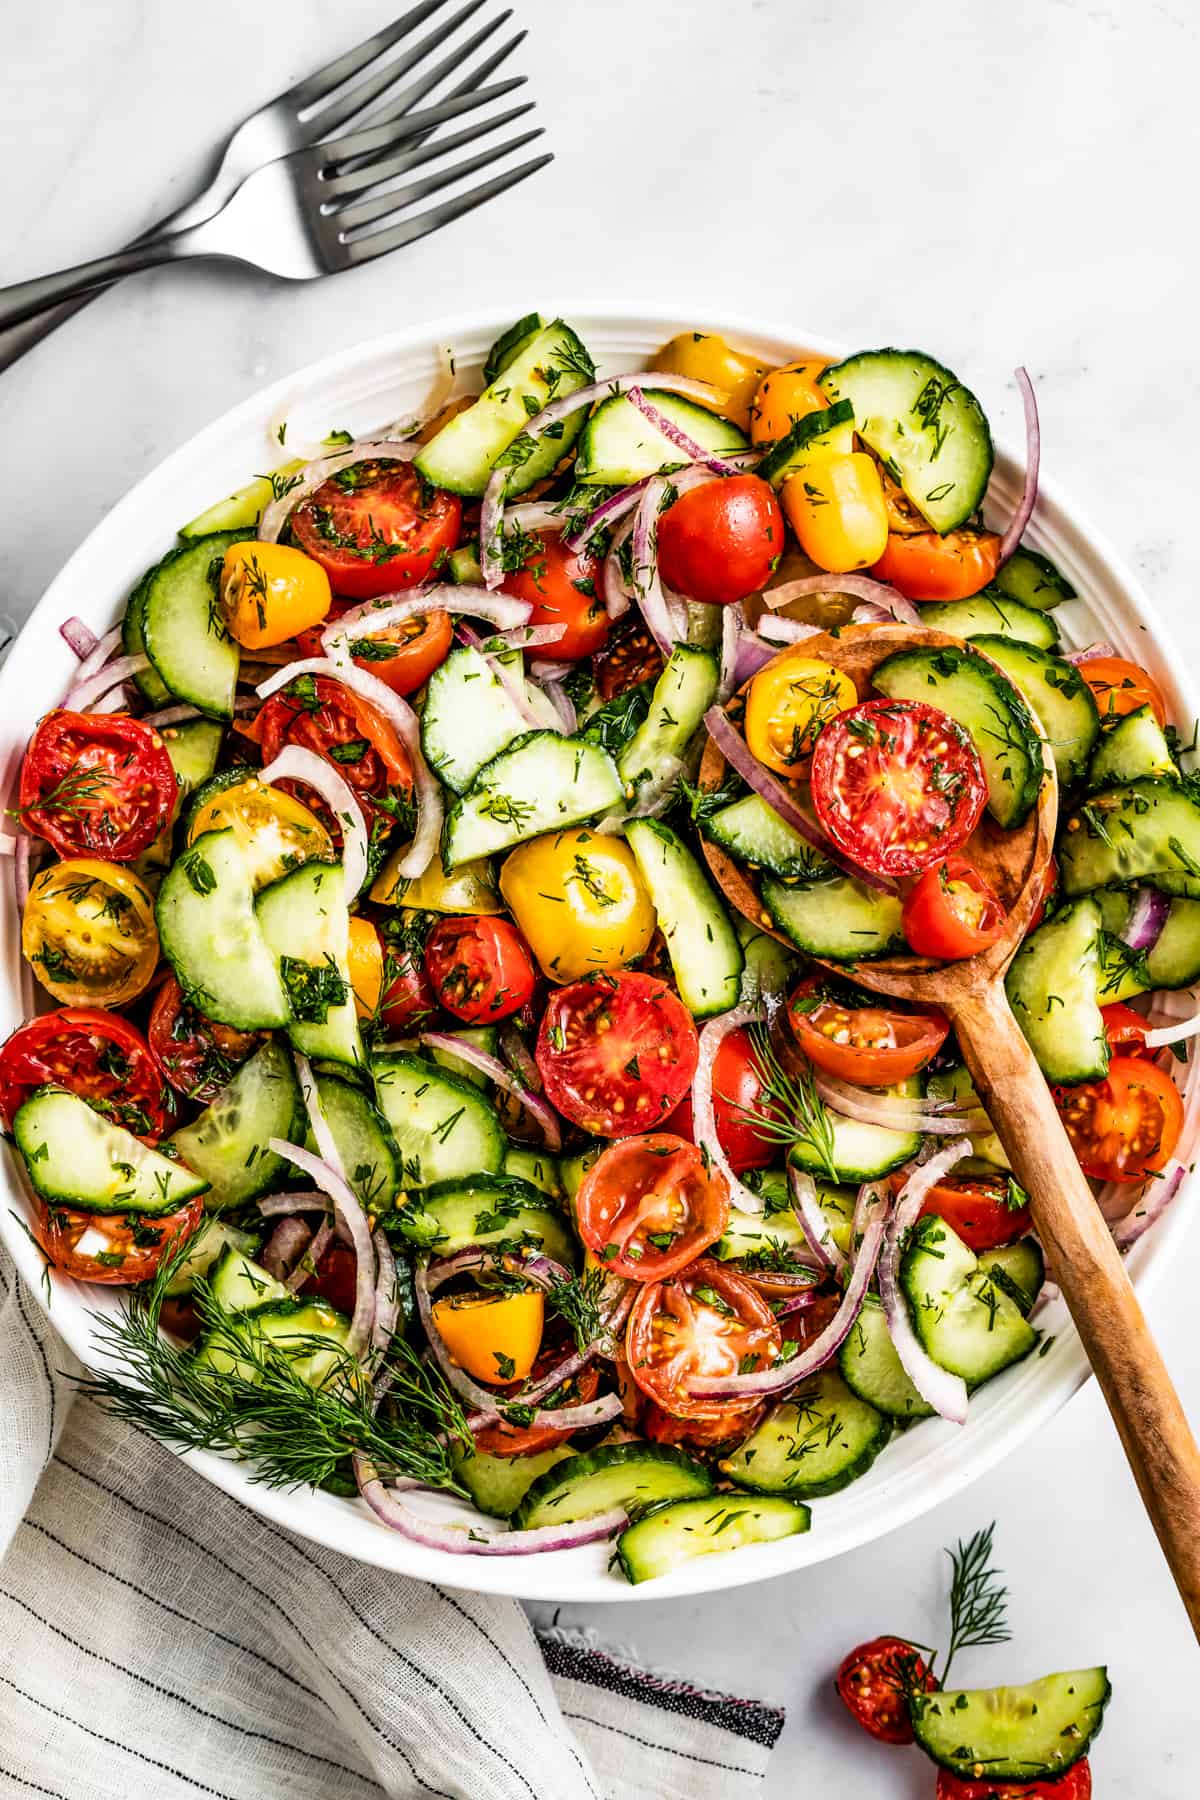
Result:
x=304 y=115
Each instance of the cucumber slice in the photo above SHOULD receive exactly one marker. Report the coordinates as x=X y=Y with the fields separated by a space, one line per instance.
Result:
x=833 y=916
x=206 y=1245
x=681 y=1530
x=498 y=1484
x=846 y=1150
x=274 y=830
x=1144 y=831
x=241 y=510
x=817 y=1442
x=227 y=1143
x=966 y=1322
x=540 y=783
x=572 y=1170
x=831 y=428
x=625 y=1475
x=445 y=1129
x=549 y=365
x=1052 y=989
x=364 y=1141
x=769 y=967
x=483 y=1037
x=193 y=747
x=293 y=1328
x=148 y=683
x=682 y=695
x=469 y=718
x=763 y=1240
x=211 y=936
x=871 y=1368
x=238 y=1284
x=76 y=1158
x=929 y=431
x=754 y=833
x=620 y=445
x=537 y=1167
x=993 y=615
x=987 y=705
x=488 y=1209
x=1030 y=1733
x=1129 y=748
x=705 y=954
x=1033 y=578
x=470 y=889
x=1020 y=1269
x=1174 y=962
x=462 y=566
x=1059 y=697
x=181 y=625
x=305 y=922
x=508 y=345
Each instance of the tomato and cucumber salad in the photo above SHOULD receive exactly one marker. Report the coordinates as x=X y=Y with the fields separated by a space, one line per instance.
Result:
x=398 y=1034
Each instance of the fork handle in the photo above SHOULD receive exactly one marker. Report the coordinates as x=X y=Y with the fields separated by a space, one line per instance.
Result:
x=1087 y=1266
x=26 y=299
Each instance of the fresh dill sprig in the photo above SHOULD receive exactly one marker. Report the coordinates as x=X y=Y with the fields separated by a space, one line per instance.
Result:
x=978 y=1598
x=789 y=1110
x=577 y=1304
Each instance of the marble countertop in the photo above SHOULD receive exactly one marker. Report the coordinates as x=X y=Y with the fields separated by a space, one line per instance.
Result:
x=1000 y=184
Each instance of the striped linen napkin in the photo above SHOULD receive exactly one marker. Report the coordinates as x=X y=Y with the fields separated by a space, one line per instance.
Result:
x=157 y=1639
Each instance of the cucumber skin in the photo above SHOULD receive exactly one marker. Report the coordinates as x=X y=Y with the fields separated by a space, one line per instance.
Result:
x=685 y=1469
x=1067 y=1750
x=640 y=1549
x=673 y=875
x=216 y=543
x=753 y=1471
x=1023 y=663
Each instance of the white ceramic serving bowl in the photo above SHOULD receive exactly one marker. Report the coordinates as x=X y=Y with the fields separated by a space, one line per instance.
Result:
x=362 y=388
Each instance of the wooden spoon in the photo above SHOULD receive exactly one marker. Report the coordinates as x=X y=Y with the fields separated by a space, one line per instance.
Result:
x=1083 y=1259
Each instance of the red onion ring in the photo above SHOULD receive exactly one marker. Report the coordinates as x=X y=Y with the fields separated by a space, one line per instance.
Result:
x=858 y=587
x=307 y=480
x=540 y=1271
x=893 y=1111
x=494 y=1069
x=1150 y=1206
x=81 y=696
x=1147 y=916
x=813 y=1222
x=22 y=871
x=311 y=1257
x=285 y=1246
x=1090 y=652
x=352 y=1216
x=946 y=1393
x=618 y=594
x=609 y=512
x=733 y=625
x=295 y=763
x=519 y=1057
x=752 y=655
x=646 y=583
x=1171 y=1034
x=1033 y=456
x=667 y=428
x=563 y=705
x=467 y=1540
x=712 y=1036
x=271 y=1206
x=387 y=1295
x=741 y=758
x=786 y=631
x=79 y=637
x=512 y=682
x=373 y=616
x=528 y=637
x=550 y=671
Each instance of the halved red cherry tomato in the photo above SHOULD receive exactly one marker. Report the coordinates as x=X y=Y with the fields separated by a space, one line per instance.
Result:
x=617 y=1052
x=874 y=1682
x=324 y=715
x=924 y=566
x=699 y=1434
x=505 y=1439
x=133 y=1245
x=1121 y=687
x=1124 y=1127
x=706 y=1320
x=402 y=656
x=648 y=1205
x=97 y=1055
x=407 y=999
x=479 y=967
x=197 y=1055
x=721 y=542
x=897 y=785
x=564 y=587
x=97 y=784
x=1076 y=1784
x=334 y=1277
x=737 y=1088
x=375 y=527
x=979 y=1209
x=870 y=1045
x=1125 y=1029
x=628 y=657
x=951 y=912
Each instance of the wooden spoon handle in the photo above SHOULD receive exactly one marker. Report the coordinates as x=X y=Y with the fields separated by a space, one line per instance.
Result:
x=1087 y=1266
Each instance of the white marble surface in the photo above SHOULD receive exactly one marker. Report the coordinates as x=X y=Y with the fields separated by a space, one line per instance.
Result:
x=1000 y=183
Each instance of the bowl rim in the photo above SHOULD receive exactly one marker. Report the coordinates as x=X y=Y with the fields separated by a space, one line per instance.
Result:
x=347 y=1526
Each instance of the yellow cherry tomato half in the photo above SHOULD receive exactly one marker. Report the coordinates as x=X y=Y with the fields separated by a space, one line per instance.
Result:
x=365 y=960
x=834 y=503
x=88 y=930
x=708 y=358
x=271 y=592
x=494 y=1337
x=783 y=397
x=580 y=902
x=275 y=830
x=470 y=888
x=788 y=703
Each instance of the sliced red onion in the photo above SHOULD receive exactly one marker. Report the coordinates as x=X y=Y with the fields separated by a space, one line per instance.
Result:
x=859 y=587
x=312 y=1256
x=271 y=1206
x=482 y=1400
x=510 y=679
x=784 y=1375
x=1090 y=652
x=387 y=1294
x=946 y=1393
x=285 y=1246
x=22 y=870
x=647 y=585
x=1033 y=455
x=519 y=1057
x=609 y=512
x=535 y=515
x=491 y=514
x=733 y=625
x=1171 y=1034
x=893 y=1111
x=8 y=844
x=79 y=637
x=102 y=649
x=529 y=637
x=813 y=1222
x=712 y=1036
x=494 y=1069
x=540 y=1271
x=1151 y=1204
x=742 y=759
x=799 y=1302
x=352 y=1216
x=82 y=696
x=400 y=715
x=1147 y=916
x=786 y=631
x=580 y=1417
x=871 y=1195
x=618 y=594
x=461 y=1540
x=549 y=671
x=752 y=655
x=373 y=616
x=563 y=705
x=295 y=763
x=307 y=480
x=695 y=452
x=867 y=613
x=318 y=1123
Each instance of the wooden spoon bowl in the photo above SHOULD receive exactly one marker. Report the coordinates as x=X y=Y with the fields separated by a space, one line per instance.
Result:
x=1082 y=1256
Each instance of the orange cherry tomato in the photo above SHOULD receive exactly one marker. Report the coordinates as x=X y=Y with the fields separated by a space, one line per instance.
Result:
x=494 y=1337
x=1121 y=687
x=924 y=566
x=365 y=961
x=402 y=656
x=951 y=912
x=1124 y=1127
x=870 y=1045
x=785 y=396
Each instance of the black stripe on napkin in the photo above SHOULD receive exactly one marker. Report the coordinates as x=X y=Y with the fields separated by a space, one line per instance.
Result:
x=744 y=1718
